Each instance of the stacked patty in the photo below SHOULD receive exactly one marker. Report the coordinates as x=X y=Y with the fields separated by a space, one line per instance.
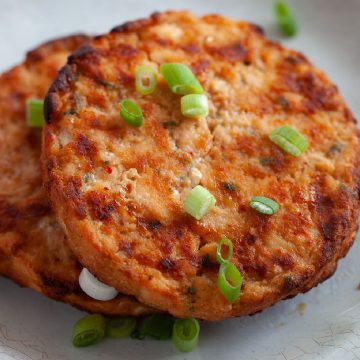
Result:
x=33 y=248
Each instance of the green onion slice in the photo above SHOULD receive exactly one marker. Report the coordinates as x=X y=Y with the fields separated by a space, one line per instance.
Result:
x=181 y=79
x=131 y=112
x=289 y=140
x=229 y=281
x=94 y=288
x=157 y=326
x=194 y=105
x=35 y=113
x=285 y=19
x=198 y=202
x=230 y=249
x=145 y=80
x=186 y=334
x=120 y=327
x=89 y=330
x=264 y=205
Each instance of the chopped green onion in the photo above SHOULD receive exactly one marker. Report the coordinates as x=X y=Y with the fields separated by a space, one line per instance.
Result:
x=120 y=327
x=181 y=79
x=145 y=80
x=131 y=112
x=228 y=243
x=194 y=105
x=198 y=202
x=285 y=19
x=157 y=326
x=35 y=113
x=229 y=281
x=289 y=140
x=94 y=288
x=186 y=334
x=89 y=330
x=264 y=205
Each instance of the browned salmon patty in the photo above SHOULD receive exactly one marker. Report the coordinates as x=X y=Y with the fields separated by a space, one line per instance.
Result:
x=119 y=190
x=33 y=249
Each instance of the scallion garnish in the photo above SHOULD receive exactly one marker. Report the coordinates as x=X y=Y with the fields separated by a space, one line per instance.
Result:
x=289 y=140
x=145 y=80
x=285 y=19
x=198 y=202
x=186 y=334
x=224 y=242
x=35 y=113
x=194 y=105
x=131 y=112
x=264 y=205
x=158 y=326
x=120 y=327
x=181 y=79
x=95 y=288
x=229 y=281
x=89 y=330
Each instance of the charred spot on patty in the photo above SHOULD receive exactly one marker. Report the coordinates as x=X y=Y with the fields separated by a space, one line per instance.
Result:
x=235 y=52
x=85 y=147
x=229 y=186
x=168 y=264
x=101 y=208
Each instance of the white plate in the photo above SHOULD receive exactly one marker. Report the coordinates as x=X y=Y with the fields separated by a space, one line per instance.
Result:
x=322 y=324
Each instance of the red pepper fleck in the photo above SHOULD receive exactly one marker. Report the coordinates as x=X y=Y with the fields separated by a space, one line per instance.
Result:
x=108 y=169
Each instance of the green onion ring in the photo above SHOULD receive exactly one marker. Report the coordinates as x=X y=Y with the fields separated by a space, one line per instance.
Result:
x=228 y=243
x=198 y=202
x=186 y=334
x=131 y=112
x=229 y=281
x=35 y=113
x=264 y=205
x=194 y=105
x=120 y=327
x=289 y=140
x=89 y=330
x=180 y=79
x=145 y=80
x=285 y=19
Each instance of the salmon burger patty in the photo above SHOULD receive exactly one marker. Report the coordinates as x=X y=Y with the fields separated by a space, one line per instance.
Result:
x=33 y=249
x=119 y=190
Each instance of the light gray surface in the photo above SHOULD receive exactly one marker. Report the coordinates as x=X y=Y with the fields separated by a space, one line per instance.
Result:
x=32 y=327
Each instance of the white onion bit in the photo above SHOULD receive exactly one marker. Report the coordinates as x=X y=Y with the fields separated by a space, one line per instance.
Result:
x=95 y=288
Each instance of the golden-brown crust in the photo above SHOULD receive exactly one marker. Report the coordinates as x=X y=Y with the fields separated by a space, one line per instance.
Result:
x=128 y=224
x=33 y=249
